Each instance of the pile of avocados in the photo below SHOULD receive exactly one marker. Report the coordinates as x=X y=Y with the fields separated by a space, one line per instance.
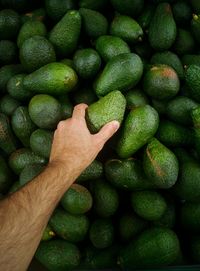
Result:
x=137 y=205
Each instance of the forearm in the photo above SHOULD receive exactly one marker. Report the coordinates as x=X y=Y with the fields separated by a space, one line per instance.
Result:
x=24 y=215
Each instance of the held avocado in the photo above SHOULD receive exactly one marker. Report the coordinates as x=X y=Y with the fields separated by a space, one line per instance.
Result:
x=122 y=72
x=108 y=108
x=140 y=125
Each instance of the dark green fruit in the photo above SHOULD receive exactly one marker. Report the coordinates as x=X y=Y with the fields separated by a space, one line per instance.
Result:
x=9 y=24
x=162 y=29
x=126 y=28
x=111 y=46
x=8 y=105
x=149 y=205
x=161 y=82
x=22 y=125
x=160 y=164
x=41 y=141
x=94 y=23
x=87 y=63
x=30 y=172
x=8 y=52
x=101 y=233
x=140 y=125
x=65 y=34
x=30 y=29
x=77 y=200
x=58 y=255
x=45 y=111
x=72 y=228
x=36 y=52
x=121 y=73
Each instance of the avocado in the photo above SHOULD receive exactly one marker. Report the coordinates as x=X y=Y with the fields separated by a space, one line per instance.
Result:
x=149 y=205
x=65 y=34
x=16 y=90
x=23 y=157
x=22 y=125
x=87 y=63
x=170 y=59
x=190 y=216
x=160 y=164
x=179 y=110
x=72 y=228
x=168 y=219
x=30 y=29
x=136 y=98
x=36 y=52
x=44 y=138
x=162 y=29
x=161 y=82
x=121 y=73
x=48 y=234
x=182 y=12
x=110 y=46
x=45 y=111
x=140 y=125
x=58 y=255
x=56 y=9
x=77 y=200
x=126 y=174
x=160 y=106
x=130 y=225
x=99 y=258
x=9 y=24
x=6 y=72
x=30 y=172
x=184 y=43
x=8 y=141
x=8 y=52
x=101 y=233
x=92 y=172
x=126 y=28
x=172 y=134
x=94 y=23
x=183 y=155
x=155 y=247
x=108 y=108
x=91 y=4
x=145 y=17
x=128 y=7
x=8 y=105
x=106 y=198
x=187 y=186
x=53 y=78
x=192 y=77
x=5 y=176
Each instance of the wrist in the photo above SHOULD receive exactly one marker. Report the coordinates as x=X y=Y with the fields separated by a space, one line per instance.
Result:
x=64 y=173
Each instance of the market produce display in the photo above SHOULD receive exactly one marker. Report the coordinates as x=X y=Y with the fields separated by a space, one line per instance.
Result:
x=136 y=61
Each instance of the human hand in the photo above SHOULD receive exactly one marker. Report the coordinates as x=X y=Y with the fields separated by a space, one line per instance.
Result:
x=74 y=147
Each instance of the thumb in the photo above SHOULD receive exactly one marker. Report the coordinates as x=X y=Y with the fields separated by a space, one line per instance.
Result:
x=107 y=131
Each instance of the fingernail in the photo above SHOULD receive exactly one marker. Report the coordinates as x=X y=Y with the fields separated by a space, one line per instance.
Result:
x=116 y=125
